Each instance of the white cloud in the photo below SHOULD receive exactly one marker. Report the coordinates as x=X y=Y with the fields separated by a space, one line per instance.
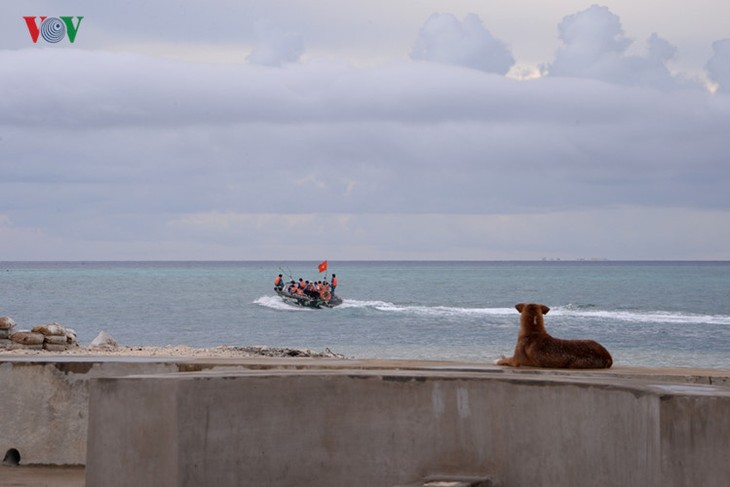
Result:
x=443 y=39
x=614 y=233
x=275 y=46
x=594 y=46
x=243 y=138
x=718 y=67
x=142 y=157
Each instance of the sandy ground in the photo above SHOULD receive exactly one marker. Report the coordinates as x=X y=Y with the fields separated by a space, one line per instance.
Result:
x=39 y=338
x=223 y=351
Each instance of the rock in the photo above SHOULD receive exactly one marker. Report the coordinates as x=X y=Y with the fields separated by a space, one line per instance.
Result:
x=103 y=341
x=54 y=329
x=6 y=323
x=5 y=343
x=264 y=351
x=4 y=333
x=27 y=338
x=330 y=354
x=56 y=340
x=71 y=337
x=55 y=348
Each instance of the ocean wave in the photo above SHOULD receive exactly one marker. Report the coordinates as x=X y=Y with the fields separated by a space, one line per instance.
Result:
x=569 y=311
x=640 y=316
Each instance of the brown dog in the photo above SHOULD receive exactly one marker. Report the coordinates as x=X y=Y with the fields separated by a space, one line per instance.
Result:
x=535 y=348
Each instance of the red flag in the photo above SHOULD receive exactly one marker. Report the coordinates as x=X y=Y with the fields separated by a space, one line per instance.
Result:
x=323 y=266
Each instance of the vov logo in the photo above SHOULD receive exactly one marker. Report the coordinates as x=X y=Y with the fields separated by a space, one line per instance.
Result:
x=53 y=29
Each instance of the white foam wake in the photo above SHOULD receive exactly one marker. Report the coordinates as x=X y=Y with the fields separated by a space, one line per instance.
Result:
x=569 y=311
x=275 y=302
x=388 y=307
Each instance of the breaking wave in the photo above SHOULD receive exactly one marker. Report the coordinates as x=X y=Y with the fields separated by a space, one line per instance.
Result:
x=636 y=316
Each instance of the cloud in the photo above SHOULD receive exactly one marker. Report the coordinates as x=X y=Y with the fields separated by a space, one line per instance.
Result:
x=718 y=67
x=633 y=232
x=275 y=46
x=594 y=46
x=118 y=155
x=247 y=139
x=444 y=39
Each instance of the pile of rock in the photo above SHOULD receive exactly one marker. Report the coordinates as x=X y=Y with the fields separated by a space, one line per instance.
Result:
x=7 y=325
x=264 y=351
x=52 y=337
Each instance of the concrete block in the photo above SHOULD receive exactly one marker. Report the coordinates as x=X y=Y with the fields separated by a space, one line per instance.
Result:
x=367 y=428
x=695 y=438
x=44 y=406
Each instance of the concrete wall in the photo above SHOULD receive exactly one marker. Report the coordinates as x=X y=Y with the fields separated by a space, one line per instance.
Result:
x=44 y=406
x=375 y=422
x=44 y=399
x=385 y=428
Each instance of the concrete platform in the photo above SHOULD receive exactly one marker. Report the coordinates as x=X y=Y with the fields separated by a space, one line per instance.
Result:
x=648 y=421
x=387 y=427
x=41 y=476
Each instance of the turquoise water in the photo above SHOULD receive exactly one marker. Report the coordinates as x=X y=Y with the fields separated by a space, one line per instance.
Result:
x=646 y=313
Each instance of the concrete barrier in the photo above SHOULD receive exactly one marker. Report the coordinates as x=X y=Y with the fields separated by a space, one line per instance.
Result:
x=44 y=398
x=393 y=427
x=44 y=405
x=44 y=412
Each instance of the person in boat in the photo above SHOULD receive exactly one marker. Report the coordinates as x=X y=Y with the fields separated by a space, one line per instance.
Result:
x=324 y=292
x=311 y=291
x=333 y=286
x=279 y=283
x=307 y=288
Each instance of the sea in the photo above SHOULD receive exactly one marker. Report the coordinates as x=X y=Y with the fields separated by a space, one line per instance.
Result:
x=653 y=314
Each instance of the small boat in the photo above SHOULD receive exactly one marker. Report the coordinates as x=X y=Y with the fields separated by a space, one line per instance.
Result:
x=307 y=296
x=308 y=301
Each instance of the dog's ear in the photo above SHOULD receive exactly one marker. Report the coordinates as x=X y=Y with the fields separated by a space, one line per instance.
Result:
x=545 y=309
x=520 y=307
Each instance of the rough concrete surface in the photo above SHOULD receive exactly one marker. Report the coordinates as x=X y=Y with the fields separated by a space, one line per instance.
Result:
x=401 y=405
x=391 y=427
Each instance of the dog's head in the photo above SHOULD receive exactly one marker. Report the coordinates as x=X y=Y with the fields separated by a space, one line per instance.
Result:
x=531 y=317
x=532 y=308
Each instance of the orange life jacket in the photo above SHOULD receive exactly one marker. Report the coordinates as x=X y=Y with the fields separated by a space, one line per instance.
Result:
x=334 y=281
x=277 y=281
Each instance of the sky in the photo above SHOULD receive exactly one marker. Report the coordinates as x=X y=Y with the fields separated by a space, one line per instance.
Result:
x=311 y=130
